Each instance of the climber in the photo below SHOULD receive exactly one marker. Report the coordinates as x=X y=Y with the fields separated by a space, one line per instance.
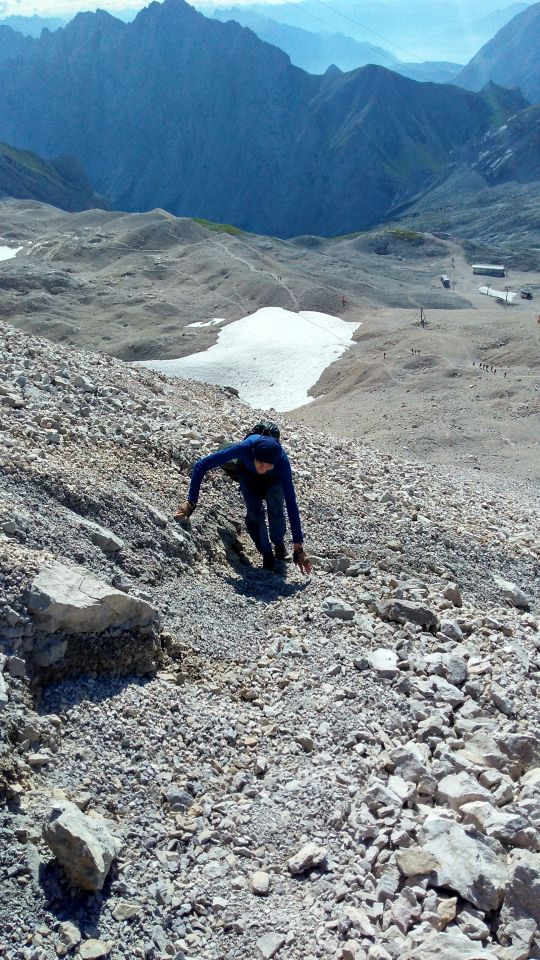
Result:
x=264 y=474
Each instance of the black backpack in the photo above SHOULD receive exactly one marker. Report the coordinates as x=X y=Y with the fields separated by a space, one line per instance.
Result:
x=266 y=428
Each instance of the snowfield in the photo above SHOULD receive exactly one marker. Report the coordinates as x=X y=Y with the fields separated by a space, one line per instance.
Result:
x=272 y=357
x=6 y=253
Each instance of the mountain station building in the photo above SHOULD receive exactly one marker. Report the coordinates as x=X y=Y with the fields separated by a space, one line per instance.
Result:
x=489 y=269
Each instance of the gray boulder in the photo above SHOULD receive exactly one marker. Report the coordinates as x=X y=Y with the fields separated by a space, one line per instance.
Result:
x=469 y=864
x=411 y=761
x=83 y=845
x=513 y=594
x=446 y=946
x=459 y=788
x=452 y=630
x=508 y=826
x=406 y=611
x=333 y=607
x=522 y=901
x=72 y=600
x=102 y=536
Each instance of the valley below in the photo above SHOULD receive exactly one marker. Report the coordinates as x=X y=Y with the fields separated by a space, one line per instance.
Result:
x=147 y=286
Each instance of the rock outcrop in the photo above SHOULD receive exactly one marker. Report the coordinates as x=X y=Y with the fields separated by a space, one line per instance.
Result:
x=70 y=599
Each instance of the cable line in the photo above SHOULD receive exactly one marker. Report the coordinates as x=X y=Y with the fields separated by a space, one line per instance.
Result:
x=332 y=27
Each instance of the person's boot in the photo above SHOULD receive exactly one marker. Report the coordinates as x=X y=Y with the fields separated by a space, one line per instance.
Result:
x=269 y=561
x=280 y=551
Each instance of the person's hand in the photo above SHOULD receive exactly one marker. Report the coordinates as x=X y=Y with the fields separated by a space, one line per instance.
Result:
x=301 y=559
x=184 y=511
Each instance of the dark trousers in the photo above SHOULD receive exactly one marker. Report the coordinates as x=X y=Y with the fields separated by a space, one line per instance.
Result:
x=255 y=491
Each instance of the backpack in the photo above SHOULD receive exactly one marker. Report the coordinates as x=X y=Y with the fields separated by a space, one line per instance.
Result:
x=266 y=428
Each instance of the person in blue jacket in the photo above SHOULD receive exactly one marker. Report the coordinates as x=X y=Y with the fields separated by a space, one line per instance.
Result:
x=264 y=475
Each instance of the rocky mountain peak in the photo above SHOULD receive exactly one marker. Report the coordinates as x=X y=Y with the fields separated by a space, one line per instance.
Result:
x=87 y=24
x=511 y=58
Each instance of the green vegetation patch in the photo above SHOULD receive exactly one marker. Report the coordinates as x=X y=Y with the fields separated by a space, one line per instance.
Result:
x=410 y=236
x=219 y=227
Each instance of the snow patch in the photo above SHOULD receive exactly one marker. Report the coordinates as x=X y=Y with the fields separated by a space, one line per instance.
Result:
x=6 y=253
x=272 y=357
x=206 y=323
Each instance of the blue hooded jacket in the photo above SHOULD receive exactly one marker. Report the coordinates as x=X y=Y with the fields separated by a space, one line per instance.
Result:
x=243 y=452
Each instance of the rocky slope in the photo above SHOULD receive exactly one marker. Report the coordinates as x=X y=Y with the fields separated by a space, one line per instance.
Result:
x=61 y=182
x=511 y=58
x=345 y=766
x=203 y=119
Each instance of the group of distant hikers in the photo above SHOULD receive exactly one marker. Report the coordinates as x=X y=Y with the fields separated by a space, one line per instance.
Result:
x=263 y=471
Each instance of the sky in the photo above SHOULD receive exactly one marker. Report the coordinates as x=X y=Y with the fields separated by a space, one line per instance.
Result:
x=68 y=8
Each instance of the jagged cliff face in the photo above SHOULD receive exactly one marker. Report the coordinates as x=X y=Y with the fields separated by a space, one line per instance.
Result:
x=511 y=58
x=203 y=119
x=12 y=43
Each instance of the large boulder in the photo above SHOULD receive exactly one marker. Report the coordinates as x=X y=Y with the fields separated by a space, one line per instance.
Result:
x=72 y=600
x=83 y=845
x=446 y=946
x=509 y=825
x=513 y=594
x=459 y=788
x=470 y=864
x=522 y=901
x=407 y=611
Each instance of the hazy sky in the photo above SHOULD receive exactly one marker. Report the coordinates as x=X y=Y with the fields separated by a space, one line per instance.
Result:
x=68 y=8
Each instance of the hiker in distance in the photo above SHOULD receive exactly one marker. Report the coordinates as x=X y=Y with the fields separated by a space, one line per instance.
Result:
x=264 y=474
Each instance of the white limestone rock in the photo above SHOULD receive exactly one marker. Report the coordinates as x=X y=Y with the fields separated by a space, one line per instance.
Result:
x=334 y=607
x=72 y=600
x=311 y=855
x=469 y=864
x=508 y=826
x=83 y=845
x=446 y=946
x=384 y=661
x=4 y=698
x=459 y=788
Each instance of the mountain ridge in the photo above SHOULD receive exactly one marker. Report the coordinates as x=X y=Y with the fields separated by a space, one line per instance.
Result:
x=178 y=111
x=61 y=182
x=511 y=58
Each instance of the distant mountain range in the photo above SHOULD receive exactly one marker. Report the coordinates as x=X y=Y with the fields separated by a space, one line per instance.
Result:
x=203 y=119
x=61 y=182
x=316 y=52
x=411 y=29
x=32 y=26
x=311 y=51
x=511 y=58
